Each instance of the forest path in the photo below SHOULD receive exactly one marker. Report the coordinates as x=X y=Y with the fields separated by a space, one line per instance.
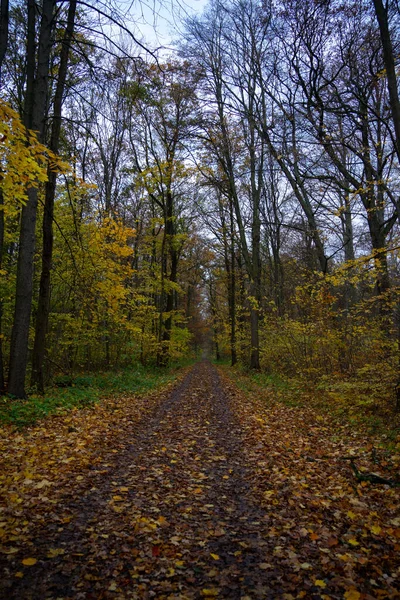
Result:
x=209 y=496
x=171 y=517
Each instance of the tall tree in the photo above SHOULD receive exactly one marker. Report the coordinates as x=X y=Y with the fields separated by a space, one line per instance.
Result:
x=4 y=19
x=382 y=15
x=229 y=41
x=162 y=119
x=42 y=314
x=4 y=16
x=35 y=118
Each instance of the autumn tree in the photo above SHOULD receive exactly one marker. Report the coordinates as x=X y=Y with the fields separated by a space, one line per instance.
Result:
x=162 y=117
x=230 y=41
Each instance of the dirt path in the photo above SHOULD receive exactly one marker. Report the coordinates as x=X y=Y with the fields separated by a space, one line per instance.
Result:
x=171 y=519
x=180 y=514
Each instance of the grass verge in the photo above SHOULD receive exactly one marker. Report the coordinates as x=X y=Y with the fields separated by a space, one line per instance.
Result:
x=345 y=402
x=83 y=390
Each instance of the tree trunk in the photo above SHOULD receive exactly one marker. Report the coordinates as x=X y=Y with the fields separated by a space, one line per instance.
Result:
x=169 y=225
x=3 y=49
x=254 y=330
x=2 y=379
x=36 y=102
x=232 y=291
x=388 y=57
x=42 y=316
x=4 y=17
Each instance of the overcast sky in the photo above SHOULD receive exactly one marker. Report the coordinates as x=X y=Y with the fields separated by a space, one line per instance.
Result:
x=159 y=21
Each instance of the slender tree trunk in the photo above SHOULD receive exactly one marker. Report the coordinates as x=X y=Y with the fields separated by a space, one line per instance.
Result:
x=255 y=289
x=42 y=316
x=37 y=93
x=228 y=236
x=254 y=330
x=375 y=211
x=4 y=18
x=171 y=278
x=2 y=379
x=388 y=57
x=232 y=288
x=3 y=48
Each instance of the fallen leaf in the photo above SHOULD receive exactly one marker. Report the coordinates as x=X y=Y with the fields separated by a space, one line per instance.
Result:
x=53 y=552
x=352 y=595
x=376 y=530
x=29 y=562
x=353 y=542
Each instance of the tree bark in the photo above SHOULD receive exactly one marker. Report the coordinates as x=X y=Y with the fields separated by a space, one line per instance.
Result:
x=42 y=316
x=2 y=378
x=3 y=48
x=4 y=18
x=388 y=57
x=171 y=277
x=36 y=102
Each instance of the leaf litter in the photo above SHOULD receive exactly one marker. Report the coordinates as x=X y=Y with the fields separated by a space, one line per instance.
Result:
x=200 y=491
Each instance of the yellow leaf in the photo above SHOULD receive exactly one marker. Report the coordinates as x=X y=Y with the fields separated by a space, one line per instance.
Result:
x=320 y=583
x=209 y=592
x=353 y=542
x=198 y=491
x=376 y=529
x=117 y=498
x=19 y=574
x=352 y=595
x=344 y=557
x=351 y=515
x=53 y=552
x=29 y=562
x=215 y=556
x=10 y=550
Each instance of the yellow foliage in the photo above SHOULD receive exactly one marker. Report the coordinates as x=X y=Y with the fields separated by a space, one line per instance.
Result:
x=24 y=161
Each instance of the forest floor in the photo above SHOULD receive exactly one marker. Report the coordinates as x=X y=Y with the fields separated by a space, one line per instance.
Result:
x=197 y=491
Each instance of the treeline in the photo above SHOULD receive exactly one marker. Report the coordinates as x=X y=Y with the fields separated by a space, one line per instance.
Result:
x=302 y=155
x=99 y=251
x=243 y=193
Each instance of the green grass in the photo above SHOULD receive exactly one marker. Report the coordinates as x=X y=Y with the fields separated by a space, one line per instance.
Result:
x=285 y=390
x=83 y=390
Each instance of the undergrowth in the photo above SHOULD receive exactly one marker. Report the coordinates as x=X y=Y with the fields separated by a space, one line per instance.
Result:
x=83 y=390
x=345 y=401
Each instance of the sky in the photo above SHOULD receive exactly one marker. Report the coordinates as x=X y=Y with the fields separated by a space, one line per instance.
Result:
x=159 y=21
